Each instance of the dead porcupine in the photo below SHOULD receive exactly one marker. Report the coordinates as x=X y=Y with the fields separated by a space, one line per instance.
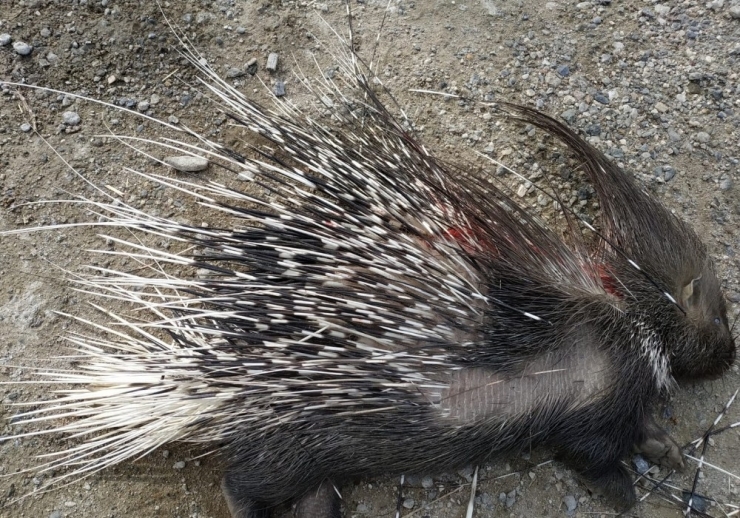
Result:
x=377 y=312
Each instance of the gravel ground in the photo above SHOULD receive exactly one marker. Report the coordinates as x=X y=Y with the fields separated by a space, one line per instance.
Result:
x=653 y=85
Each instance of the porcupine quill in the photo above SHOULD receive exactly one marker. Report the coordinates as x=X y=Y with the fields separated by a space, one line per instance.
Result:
x=376 y=311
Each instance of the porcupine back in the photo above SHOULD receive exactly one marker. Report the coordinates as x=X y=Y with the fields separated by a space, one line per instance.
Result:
x=350 y=284
x=369 y=303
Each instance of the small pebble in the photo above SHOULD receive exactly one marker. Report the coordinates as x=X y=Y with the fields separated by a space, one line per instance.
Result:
x=511 y=498
x=234 y=72
x=570 y=502
x=71 y=118
x=180 y=464
x=668 y=173
x=641 y=465
x=25 y=127
x=409 y=503
x=569 y=116
x=272 y=62
x=698 y=503
x=427 y=482
x=279 y=89
x=5 y=39
x=725 y=182
x=466 y=473
x=22 y=48
x=251 y=66
x=187 y=163
x=662 y=108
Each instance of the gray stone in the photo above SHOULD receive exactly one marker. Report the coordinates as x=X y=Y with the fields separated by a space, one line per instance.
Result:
x=510 y=499
x=71 y=118
x=725 y=182
x=570 y=502
x=563 y=70
x=279 y=89
x=272 y=62
x=22 y=48
x=569 y=116
x=234 y=72
x=641 y=465
x=187 y=163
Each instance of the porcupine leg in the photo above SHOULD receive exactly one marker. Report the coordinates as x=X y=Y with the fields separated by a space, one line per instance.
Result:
x=320 y=502
x=658 y=446
x=241 y=507
x=615 y=484
x=597 y=460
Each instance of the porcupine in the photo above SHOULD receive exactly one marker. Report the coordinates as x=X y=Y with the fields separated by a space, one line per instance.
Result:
x=380 y=312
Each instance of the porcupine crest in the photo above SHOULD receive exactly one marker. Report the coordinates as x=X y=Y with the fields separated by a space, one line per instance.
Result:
x=364 y=278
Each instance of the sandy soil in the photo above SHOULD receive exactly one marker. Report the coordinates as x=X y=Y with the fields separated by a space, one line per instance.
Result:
x=121 y=51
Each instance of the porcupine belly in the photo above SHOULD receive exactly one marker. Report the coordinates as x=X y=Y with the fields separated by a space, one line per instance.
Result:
x=472 y=415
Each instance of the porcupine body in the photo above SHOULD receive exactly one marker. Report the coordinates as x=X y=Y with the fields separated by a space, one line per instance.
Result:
x=377 y=312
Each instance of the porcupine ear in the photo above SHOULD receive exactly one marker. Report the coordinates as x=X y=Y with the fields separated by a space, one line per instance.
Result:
x=690 y=293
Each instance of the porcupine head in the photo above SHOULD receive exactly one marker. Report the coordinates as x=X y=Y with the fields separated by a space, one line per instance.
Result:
x=670 y=304
x=676 y=291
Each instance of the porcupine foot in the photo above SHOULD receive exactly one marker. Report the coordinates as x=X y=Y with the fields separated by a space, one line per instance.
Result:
x=598 y=461
x=319 y=502
x=658 y=446
x=240 y=507
x=616 y=485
